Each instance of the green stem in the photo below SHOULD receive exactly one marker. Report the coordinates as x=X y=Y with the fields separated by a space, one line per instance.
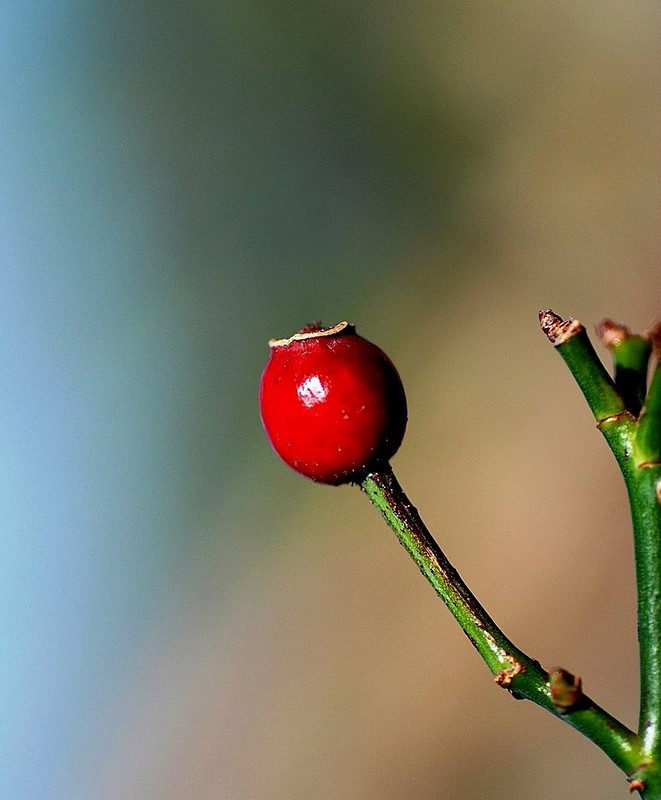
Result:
x=643 y=487
x=514 y=670
x=636 y=443
x=648 y=437
x=572 y=343
x=631 y=354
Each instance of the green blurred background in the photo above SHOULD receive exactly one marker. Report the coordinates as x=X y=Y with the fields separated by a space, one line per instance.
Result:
x=182 y=617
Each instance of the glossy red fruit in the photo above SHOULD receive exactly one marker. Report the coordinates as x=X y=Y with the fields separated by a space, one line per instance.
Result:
x=332 y=403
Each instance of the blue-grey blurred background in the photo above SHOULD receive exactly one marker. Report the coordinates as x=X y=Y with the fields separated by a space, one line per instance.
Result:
x=184 y=618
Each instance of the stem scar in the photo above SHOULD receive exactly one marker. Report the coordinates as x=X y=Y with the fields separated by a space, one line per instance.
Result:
x=613 y=418
x=505 y=677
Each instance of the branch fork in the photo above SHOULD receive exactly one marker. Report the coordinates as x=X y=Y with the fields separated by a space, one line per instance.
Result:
x=628 y=414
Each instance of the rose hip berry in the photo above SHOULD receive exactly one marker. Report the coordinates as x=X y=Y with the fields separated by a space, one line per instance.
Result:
x=332 y=403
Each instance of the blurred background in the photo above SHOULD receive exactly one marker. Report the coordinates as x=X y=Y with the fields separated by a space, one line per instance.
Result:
x=184 y=618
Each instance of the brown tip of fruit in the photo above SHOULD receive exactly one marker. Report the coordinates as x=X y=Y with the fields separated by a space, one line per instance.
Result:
x=313 y=331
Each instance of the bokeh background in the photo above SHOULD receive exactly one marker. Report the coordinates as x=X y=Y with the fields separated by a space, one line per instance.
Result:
x=182 y=617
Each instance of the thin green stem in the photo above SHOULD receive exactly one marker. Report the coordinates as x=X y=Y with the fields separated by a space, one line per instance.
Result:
x=643 y=485
x=631 y=354
x=572 y=343
x=635 y=439
x=513 y=669
x=643 y=481
x=648 y=437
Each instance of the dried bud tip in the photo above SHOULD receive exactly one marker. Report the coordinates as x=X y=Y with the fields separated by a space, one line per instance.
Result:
x=612 y=334
x=558 y=330
x=653 y=335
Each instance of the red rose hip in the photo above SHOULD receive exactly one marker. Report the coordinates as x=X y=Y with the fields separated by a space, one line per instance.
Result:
x=332 y=403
